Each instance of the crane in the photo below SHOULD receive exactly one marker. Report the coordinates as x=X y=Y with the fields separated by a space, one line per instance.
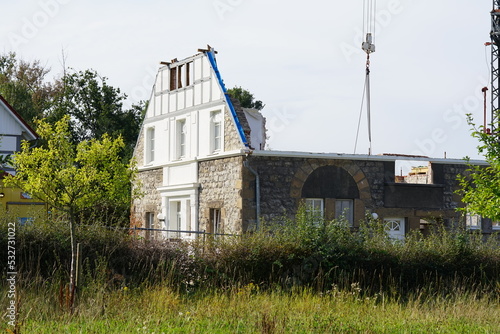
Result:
x=495 y=65
x=368 y=46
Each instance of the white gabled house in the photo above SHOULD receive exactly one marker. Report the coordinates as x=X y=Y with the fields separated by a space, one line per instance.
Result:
x=189 y=118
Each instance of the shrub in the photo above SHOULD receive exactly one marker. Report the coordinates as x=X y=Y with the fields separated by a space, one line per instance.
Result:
x=285 y=253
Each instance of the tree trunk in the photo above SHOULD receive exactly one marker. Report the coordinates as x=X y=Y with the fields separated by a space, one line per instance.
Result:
x=72 y=274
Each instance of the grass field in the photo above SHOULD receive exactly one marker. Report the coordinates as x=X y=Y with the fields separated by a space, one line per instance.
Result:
x=249 y=310
x=298 y=277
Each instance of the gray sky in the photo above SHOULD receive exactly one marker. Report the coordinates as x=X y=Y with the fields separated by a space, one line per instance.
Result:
x=301 y=58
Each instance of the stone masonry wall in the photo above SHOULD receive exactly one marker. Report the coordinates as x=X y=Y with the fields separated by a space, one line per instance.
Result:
x=150 y=201
x=282 y=178
x=449 y=179
x=221 y=188
x=147 y=182
x=232 y=139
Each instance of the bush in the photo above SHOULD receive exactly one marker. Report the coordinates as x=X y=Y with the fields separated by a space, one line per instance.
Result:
x=285 y=253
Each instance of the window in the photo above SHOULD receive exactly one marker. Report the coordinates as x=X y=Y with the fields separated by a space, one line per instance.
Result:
x=150 y=224
x=188 y=216
x=178 y=218
x=181 y=138
x=495 y=225
x=214 y=226
x=472 y=221
x=25 y=221
x=180 y=78
x=344 y=209
x=395 y=228
x=189 y=74
x=315 y=208
x=150 y=145
x=216 y=131
x=176 y=77
x=173 y=78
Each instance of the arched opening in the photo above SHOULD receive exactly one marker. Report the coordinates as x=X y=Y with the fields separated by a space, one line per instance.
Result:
x=331 y=192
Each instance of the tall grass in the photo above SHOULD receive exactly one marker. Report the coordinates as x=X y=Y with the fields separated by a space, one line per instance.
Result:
x=247 y=309
x=326 y=273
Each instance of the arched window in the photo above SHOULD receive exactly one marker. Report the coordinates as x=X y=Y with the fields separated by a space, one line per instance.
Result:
x=335 y=188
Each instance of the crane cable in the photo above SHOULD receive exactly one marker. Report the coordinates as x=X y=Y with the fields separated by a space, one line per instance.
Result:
x=369 y=8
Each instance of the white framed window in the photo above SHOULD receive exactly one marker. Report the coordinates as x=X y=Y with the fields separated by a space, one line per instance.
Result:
x=344 y=208
x=214 y=224
x=150 y=225
x=150 y=145
x=395 y=228
x=495 y=225
x=216 y=131
x=315 y=207
x=181 y=138
x=176 y=219
x=472 y=221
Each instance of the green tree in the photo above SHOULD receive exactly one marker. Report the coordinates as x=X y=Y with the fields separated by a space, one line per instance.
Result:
x=481 y=187
x=72 y=178
x=245 y=98
x=96 y=108
x=23 y=84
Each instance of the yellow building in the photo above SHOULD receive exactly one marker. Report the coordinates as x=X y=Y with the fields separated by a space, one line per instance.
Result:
x=13 y=201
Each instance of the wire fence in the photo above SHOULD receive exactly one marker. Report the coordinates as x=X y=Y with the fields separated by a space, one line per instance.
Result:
x=173 y=235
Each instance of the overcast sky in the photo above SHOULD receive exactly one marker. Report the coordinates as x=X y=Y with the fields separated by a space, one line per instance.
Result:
x=301 y=58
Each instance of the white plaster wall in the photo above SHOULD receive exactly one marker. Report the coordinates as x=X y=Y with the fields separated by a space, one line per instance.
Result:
x=8 y=125
x=181 y=174
x=8 y=143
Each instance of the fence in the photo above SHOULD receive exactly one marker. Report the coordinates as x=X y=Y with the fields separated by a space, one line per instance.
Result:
x=173 y=235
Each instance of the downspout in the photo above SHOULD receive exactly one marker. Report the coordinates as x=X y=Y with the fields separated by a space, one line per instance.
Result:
x=257 y=193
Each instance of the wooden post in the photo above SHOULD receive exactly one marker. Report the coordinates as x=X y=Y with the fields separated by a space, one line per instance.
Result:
x=78 y=265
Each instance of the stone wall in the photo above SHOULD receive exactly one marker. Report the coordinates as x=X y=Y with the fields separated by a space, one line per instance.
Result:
x=446 y=174
x=232 y=139
x=282 y=179
x=148 y=181
x=221 y=188
x=139 y=148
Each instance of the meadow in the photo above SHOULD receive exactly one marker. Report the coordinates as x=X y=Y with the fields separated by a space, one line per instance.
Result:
x=293 y=276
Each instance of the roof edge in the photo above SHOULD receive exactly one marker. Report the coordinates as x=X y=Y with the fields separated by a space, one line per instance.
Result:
x=27 y=127
x=345 y=156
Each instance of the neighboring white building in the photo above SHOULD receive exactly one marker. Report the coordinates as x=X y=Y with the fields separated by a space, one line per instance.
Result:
x=13 y=129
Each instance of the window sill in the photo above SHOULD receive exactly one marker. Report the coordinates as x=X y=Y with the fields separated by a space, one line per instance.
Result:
x=214 y=153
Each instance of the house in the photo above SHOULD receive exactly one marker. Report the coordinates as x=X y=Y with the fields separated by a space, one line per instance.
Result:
x=202 y=167
x=13 y=130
